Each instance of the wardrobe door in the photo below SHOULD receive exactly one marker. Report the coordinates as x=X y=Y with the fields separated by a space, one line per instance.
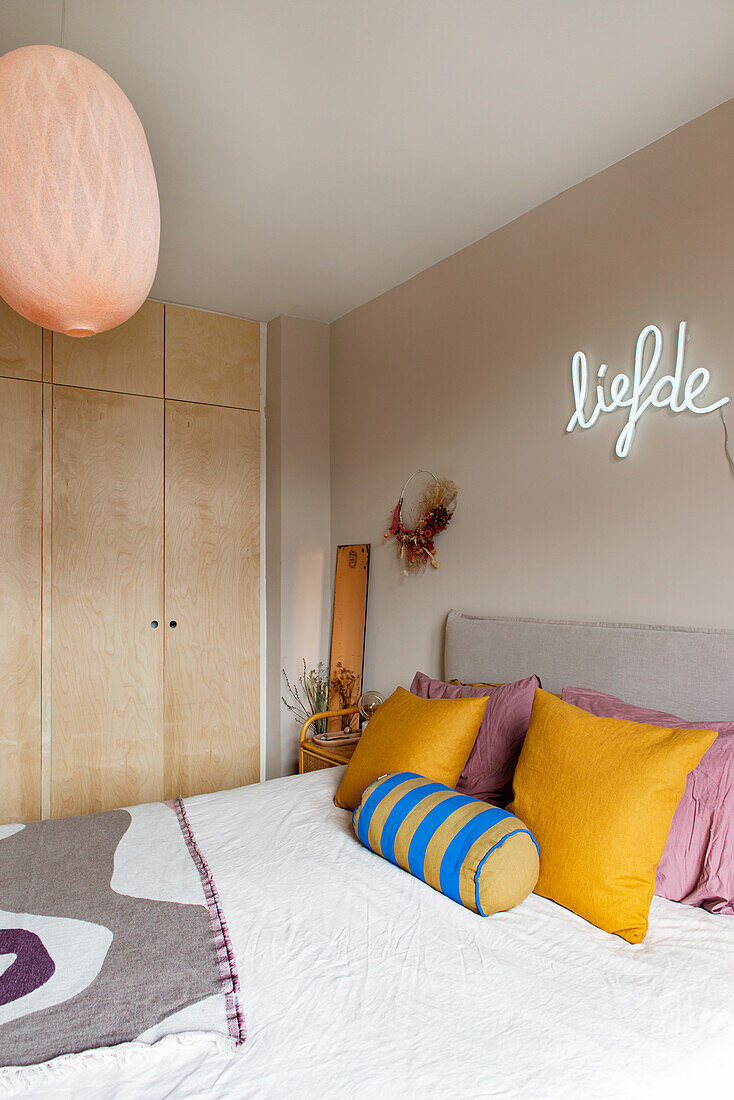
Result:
x=20 y=599
x=212 y=578
x=126 y=359
x=107 y=592
x=212 y=358
x=20 y=345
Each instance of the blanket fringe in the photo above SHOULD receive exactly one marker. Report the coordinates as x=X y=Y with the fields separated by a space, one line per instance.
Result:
x=13 y=1077
x=220 y=932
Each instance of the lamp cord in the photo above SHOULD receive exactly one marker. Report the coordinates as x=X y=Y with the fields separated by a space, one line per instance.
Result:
x=63 y=22
x=726 y=442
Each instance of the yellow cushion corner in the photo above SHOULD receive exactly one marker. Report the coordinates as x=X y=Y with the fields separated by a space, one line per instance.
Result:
x=431 y=737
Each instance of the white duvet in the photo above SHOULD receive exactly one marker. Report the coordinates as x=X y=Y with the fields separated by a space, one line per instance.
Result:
x=359 y=981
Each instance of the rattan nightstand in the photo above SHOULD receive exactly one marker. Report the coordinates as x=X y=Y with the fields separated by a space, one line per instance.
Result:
x=312 y=757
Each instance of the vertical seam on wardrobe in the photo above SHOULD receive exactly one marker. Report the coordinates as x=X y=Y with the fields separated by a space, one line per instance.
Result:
x=46 y=570
x=164 y=609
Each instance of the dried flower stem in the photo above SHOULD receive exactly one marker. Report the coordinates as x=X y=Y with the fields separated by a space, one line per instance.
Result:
x=309 y=694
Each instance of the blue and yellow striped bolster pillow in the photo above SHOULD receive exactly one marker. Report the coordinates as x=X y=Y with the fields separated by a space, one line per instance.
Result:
x=477 y=854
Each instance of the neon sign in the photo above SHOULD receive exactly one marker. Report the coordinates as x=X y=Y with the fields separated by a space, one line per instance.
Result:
x=637 y=393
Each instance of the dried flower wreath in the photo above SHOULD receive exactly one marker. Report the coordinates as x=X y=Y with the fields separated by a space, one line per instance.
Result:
x=437 y=507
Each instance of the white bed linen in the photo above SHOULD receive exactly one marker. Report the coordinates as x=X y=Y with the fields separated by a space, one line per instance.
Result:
x=360 y=981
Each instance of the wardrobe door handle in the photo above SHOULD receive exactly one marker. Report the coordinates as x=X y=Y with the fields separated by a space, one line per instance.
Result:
x=173 y=624
x=154 y=624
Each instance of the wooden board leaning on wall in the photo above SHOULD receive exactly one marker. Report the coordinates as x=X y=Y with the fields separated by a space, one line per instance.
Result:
x=346 y=664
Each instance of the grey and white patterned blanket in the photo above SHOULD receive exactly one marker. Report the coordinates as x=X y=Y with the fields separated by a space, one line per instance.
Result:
x=110 y=931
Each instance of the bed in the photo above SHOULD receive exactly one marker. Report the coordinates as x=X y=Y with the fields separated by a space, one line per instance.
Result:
x=357 y=979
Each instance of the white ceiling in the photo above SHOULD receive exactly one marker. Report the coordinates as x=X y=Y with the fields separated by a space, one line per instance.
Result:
x=311 y=154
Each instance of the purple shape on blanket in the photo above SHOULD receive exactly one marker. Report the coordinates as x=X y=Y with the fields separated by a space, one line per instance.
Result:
x=32 y=968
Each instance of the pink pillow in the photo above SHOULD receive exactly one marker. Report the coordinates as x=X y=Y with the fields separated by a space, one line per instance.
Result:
x=697 y=867
x=491 y=765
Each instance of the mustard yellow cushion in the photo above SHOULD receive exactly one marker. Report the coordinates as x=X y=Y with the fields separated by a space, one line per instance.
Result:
x=598 y=795
x=432 y=737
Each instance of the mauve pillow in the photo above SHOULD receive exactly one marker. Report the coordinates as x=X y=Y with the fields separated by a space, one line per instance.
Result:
x=697 y=867
x=489 y=770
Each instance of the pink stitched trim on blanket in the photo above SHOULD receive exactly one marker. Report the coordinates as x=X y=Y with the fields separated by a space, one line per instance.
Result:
x=225 y=955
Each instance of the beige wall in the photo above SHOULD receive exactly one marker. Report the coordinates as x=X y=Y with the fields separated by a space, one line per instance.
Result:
x=465 y=369
x=298 y=518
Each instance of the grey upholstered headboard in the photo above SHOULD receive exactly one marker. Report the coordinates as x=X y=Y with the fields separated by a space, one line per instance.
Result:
x=687 y=672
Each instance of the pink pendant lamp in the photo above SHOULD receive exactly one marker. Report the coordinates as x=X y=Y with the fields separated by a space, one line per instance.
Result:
x=79 y=214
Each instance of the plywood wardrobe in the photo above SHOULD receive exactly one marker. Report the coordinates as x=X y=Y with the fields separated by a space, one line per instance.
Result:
x=129 y=561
